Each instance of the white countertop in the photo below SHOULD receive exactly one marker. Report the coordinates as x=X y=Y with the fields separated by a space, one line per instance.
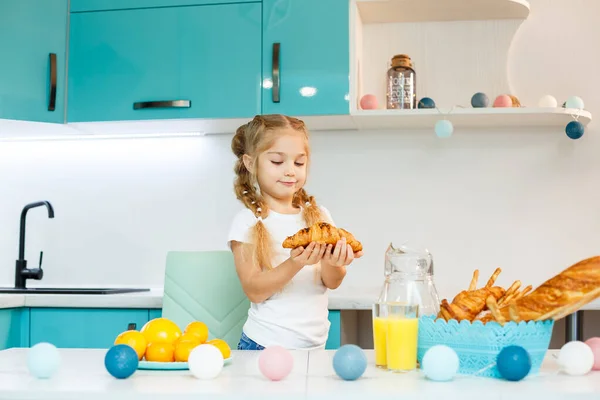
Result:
x=350 y=298
x=82 y=376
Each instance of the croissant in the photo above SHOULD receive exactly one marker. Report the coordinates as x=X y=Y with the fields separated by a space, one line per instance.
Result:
x=469 y=303
x=321 y=232
x=556 y=298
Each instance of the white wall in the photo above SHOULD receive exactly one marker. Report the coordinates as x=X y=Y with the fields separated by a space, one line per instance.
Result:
x=528 y=202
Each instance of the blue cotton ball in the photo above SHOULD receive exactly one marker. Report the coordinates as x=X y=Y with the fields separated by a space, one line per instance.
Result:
x=426 y=102
x=480 y=100
x=440 y=363
x=574 y=102
x=575 y=129
x=513 y=363
x=121 y=361
x=349 y=362
x=444 y=128
x=43 y=360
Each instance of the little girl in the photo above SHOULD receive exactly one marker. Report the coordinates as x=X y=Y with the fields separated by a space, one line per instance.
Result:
x=287 y=289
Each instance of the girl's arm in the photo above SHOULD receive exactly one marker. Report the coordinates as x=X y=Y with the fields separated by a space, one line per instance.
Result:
x=259 y=285
x=334 y=262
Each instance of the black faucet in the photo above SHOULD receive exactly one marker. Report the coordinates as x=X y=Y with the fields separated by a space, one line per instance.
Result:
x=22 y=273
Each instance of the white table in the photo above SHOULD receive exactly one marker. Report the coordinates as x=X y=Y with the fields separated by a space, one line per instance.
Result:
x=82 y=376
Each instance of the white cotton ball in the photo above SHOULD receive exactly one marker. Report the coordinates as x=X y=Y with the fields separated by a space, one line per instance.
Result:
x=576 y=358
x=548 y=101
x=205 y=361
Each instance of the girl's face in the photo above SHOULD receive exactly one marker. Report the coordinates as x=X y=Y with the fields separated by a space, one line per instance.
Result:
x=281 y=169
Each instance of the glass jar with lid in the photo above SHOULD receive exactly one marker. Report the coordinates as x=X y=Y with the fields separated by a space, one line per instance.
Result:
x=401 y=83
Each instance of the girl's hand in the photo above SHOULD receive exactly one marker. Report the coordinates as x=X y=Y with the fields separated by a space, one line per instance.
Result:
x=341 y=255
x=311 y=255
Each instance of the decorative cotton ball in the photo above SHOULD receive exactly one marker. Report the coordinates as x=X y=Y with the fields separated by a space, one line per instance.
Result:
x=513 y=363
x=548 y=101
x=349 y=362
x=503 y=101
x=275 y=362
x=444 y=128
x=205 y=361
x=121 y=361
x=515 y=101
x=576 y=358
x=594 y=344
x=575 y=129
x=574 y=102
x=368 y=102
x=480 y=100
x=426 y=102
x=43 y=360
x=440 y=363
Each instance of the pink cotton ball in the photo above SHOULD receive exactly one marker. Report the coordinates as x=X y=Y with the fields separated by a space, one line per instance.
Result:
x=594 y=344
x=368 y=102
x=275 y=362
x=503 y=101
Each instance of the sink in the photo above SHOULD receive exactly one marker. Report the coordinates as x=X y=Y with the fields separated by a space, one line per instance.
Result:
x=72 y=290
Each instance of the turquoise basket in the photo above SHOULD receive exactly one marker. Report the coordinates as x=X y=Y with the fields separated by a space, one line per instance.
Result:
x=478 y=344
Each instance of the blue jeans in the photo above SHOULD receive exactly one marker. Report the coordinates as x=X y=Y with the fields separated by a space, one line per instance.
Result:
x=248 y=344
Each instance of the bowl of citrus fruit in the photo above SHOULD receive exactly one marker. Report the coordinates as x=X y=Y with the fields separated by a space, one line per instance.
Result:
x=161 y=344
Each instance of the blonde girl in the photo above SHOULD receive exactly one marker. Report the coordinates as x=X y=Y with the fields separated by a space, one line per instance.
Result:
x=289 y=307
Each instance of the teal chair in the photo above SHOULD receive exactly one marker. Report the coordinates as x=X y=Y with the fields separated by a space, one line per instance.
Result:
x=204 y=286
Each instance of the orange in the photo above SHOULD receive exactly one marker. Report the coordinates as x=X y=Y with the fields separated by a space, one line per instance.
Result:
x=161 y=330
x=135 y=340
x=183 y=350
x=188 y=337
x=222 y=346
x=160 y=351
x=199 y=329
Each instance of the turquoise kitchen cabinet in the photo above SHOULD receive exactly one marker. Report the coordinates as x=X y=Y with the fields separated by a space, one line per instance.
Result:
x=33 y=40
x=83 y=327
x=99 y=5
x=14 y=328
x=306 y=59
x=164 y=63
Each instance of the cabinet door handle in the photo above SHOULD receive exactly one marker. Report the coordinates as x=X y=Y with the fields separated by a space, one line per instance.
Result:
x=131 y=326
x=162 y=104
x=276 y=77
x=52 y=99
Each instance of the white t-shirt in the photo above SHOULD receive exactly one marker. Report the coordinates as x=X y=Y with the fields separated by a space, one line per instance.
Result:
x=297 y=316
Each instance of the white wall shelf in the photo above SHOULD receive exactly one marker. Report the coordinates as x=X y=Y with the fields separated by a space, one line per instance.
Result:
x=385 y=11
x=493 y=118
x=553 y=119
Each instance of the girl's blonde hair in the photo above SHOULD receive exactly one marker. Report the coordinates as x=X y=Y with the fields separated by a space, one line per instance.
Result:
x=253 y=139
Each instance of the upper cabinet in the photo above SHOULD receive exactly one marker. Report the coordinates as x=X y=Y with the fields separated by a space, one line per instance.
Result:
x=164 y=63
x=33 y=37
x=306 y=57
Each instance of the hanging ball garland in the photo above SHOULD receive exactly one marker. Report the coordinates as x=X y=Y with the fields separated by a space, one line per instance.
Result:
x=480 y=100
x=513 y=363
x=503 y=100
x=574 y=102
x=575 y=130
x=444 y=128
x=548 y=101
x=426 y=102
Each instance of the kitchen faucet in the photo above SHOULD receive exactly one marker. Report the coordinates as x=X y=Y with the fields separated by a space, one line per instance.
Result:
x=22 y=273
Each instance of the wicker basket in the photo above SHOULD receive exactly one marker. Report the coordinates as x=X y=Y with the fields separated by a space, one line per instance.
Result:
x=478 y=344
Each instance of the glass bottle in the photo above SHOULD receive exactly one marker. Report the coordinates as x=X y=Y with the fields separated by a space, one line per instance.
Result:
x=409 y=278
x=401 y=83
